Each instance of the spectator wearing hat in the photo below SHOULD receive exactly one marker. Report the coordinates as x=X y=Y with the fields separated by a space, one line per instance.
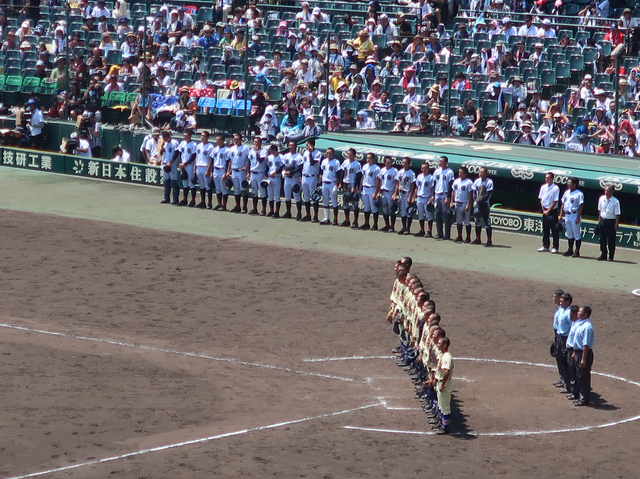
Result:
x=545 y=30
x=363 y=122
x=261 y=67
x=239 y=43
x=538 y=54
x=587 y=92
x=59 y=75
x=207 y=40
x=498 y=6
x=605 y=147
x=615 y=36
x=475 y=66
x=507 y=28
x=403 y=27
x=492 y=132
x=304 y=74
x=627 y=20
x=461 y=33
x=568 y=137
x=526 y=135
x=305 y=14
x=364 y=46
x=123 y=27
x=584 y=145
x=385 y=27
x=458 y=123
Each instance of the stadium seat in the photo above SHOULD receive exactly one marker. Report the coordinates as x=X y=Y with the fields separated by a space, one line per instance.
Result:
x=13 y=83
x=31 y=84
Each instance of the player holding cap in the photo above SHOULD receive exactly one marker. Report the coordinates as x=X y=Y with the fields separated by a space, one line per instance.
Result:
x=351 y=177
x=310 y=171
x=187 y=149
x=169 y=154
x=258 y=170
x=219 y=170
x=203 y=165
x=368 y=186
x=443 y=177
x=275 y=165
x=386 y=187
x=238 y=170
x=571 y=206
x=292 y=170
x=329 y=175
x=444 y=387
x=422 y=194
x=462 y=198
x=405 y=184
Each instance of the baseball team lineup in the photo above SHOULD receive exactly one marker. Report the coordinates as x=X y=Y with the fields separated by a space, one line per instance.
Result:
x=309 y=178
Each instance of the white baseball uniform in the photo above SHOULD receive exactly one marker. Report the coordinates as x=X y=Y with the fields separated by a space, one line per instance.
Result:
x=329 y=170
x=187 y=149
x=239 y=156
x=310 y=172
x=296 y=160
x=424 y=191
x=571 y=201
x=170 y=148
x=258 y=170
x=405 y=179
x=462 y=193
x=220 y=156
x=274 y=164
x=369 y=179
x=387 y=184
x=203 y=158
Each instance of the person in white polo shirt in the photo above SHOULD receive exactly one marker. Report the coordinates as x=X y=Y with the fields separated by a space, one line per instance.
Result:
x=549 y=197
x=571 y=208
x=609 y=215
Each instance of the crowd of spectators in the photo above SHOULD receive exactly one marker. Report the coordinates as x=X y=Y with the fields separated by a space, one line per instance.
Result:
x=497 y=75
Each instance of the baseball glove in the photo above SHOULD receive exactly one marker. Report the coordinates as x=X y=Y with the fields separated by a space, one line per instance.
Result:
x=167 y=168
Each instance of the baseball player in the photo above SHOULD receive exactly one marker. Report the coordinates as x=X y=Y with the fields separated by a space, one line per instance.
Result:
x=258 y=171
x=187 y=149
x=351 y=177
x=203 y=165
x=571 y=206
x=218 y=169
x=443 y=178
x=444 y=374
x=328 y=177
x=310 y=170
x=292 y=170
x=386 y=187
x=405 y=185
x=482 y=191
x=238 y=171
x=368 y=187
x=170 y=154
x=462 y=199
x=275 y=166
x=422 y=194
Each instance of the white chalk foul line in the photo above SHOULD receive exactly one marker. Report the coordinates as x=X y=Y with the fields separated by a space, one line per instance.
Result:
x=181 y=353
x=189 y=443
x=346 y=358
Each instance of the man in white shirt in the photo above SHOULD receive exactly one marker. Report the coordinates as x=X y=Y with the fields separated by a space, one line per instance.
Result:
x=203 y=165
x=169 y=158
x=571 y=206
x=148 y=149
x=405 y=187
x=99 y=10
x=549 y=198
x=36 y=124
x=187 y=149
x=258 y=170
x=238 y=171
x=528 y=29
x=386 y=28
x=384 y=191
x=120 y=155
x=422 y=195
x=545 y=30
x=84 y=147
x=292 y=171
x=609 y=219
x=329 y=170
x=219 y=170
x=349 y=184
x=443 y=177
x=462 y=198
x=368 y=188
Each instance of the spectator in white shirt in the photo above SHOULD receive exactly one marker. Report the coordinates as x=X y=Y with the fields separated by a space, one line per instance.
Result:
x=113 y=84
x=603 y=8
x=189 y=39
x=386 y=28
x=545 y=30
x=586 y=89
x=628 y=21
x=99 y=10
x=528 y=29
x=261 y=67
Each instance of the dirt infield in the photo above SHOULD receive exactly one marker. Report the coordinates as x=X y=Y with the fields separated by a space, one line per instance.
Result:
x=167 y=338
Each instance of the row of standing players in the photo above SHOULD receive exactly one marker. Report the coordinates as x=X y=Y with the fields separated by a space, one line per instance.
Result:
x=573 y=348
x=309 y=177
x=424 y=347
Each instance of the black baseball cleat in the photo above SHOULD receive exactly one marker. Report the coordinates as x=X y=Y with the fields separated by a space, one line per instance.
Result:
x=477 y=241
x=458 y=239
x=175 y=203
x=602 y=258
x=235 y=209
x=558 y=384
x=253 y=212
x=191 y=204
x=401 y=232
x=568 y=253
x=202 y=206
x=298 y=217
x=286 y=215
x=580 y=403
x=375 y=228
x=325 y=223
x=270 y=214
x=345 y=223
x=397 y=350
x=275 y=216
x=306 y=219
x=564 y=391
x=315 y=220
x=419 y=234
x=183 y=203
x=407 y=232
x=354 y=225
x=244 y=211
x=385 y=229
x=575 y=255
x=489 y=243
x=209 y=206
x=164 y=202
x=438 y=237
x=263 y=213
x=468 y=241
x=365 y=227
x=335 y=223
x=442 y=431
